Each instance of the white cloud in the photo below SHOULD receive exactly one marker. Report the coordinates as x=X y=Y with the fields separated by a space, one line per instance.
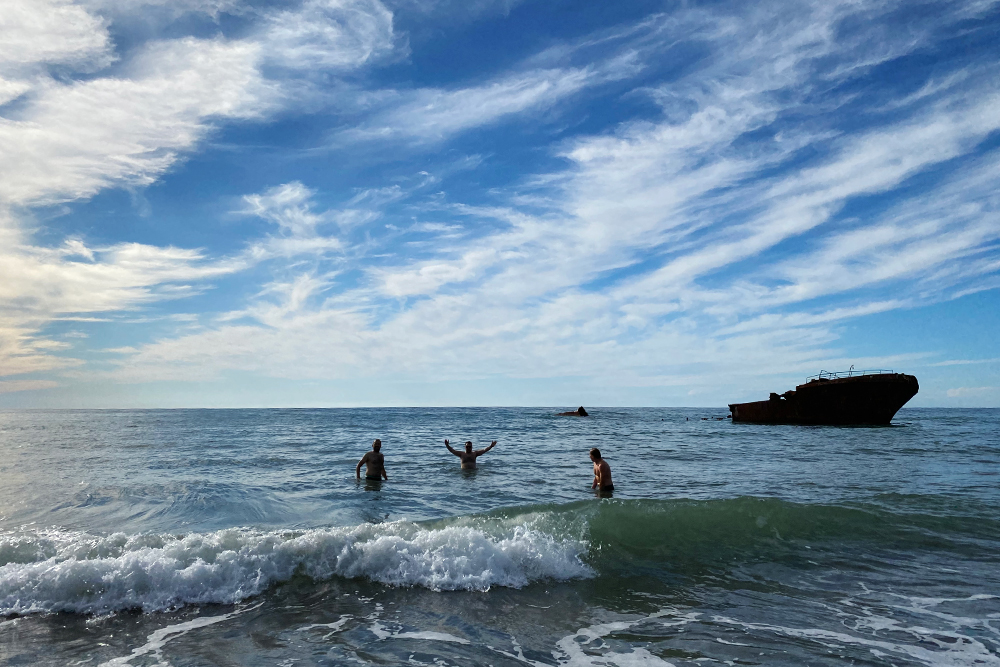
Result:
x=304 y=231
x=428 y=115
x=51 y=32
x=966 y=392
x=967 y=362
x=434 y=114
x=288 y=206
x=39 y=34
x=173 y=8
x=645 y=262
x=329 y=34
x=74 y=139
x=428 y=277
x=434 y=228
x=70 y=138
x=631 y=266
x=39 y=283
x=457 y=9
x=26 y=385
x=957 y=220
x=24 y=351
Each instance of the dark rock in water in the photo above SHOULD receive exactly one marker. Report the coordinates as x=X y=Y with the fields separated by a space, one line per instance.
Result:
x=579 y=412
x=835 y=399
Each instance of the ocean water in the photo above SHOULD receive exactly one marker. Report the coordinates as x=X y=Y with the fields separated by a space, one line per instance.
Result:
x=240 y=537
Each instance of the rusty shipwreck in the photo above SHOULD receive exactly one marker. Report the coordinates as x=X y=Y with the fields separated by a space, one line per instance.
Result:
x=839 y=399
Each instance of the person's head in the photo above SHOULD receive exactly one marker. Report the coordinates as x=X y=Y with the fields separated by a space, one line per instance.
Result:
x=377 y=444
x=595 y=455
x=468 y=445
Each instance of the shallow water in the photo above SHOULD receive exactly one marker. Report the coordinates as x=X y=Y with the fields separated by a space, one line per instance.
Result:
x=218 y=537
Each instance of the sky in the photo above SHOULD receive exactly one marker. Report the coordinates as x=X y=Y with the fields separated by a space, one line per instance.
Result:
x=322 y=203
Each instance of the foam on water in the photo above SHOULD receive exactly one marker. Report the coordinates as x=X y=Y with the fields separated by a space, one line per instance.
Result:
x=156 y=641
x=929 y=647
x=52 y=570
x=587 y=646
x=49 y=570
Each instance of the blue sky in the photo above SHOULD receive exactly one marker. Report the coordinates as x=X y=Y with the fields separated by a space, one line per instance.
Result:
x=353 y=202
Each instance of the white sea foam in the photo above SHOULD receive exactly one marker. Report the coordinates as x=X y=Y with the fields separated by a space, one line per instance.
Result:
x=383 y=633
x=330 y=628
x=156 y=641
x=935 y=647
x=48 y=571
x=587 y=646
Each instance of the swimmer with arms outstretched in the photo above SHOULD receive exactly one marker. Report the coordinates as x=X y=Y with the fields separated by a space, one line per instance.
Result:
x=374 y=462
x=469 y=456
x=602 y=472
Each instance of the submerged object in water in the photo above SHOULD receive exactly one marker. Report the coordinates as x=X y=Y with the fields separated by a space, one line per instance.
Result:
x=579 y=412
x=839 y=399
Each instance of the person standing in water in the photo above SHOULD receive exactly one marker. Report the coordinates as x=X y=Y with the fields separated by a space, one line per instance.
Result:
x=374 y=462
x=469 y=456
x=602 y=472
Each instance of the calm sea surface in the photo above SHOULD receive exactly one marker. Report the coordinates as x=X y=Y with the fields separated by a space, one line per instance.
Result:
x=240 y=537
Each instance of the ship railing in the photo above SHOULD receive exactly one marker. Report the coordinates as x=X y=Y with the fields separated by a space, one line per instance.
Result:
x=832 y=375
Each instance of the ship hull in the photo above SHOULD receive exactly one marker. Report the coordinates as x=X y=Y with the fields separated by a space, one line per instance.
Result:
x=865 y=400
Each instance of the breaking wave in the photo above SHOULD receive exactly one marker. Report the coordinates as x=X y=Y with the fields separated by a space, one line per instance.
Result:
x=55 y=570
x=49 y=571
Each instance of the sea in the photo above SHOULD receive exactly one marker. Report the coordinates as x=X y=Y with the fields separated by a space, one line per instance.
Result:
x=241 y=537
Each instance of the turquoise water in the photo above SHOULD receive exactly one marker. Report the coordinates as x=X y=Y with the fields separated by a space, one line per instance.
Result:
x=218 y=537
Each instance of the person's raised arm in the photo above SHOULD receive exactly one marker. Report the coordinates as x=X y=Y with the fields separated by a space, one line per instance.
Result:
x=357 y=471
x=483 y=451
x=450 y=449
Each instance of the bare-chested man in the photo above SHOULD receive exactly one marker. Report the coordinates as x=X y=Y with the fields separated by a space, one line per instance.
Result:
x=374 y=462
x=469 y=455
x=602 y=472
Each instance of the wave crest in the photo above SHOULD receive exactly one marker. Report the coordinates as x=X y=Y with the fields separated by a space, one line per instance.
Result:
x=49 y=571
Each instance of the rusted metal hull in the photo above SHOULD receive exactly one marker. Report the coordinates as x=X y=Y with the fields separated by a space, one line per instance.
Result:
x=859 y=400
